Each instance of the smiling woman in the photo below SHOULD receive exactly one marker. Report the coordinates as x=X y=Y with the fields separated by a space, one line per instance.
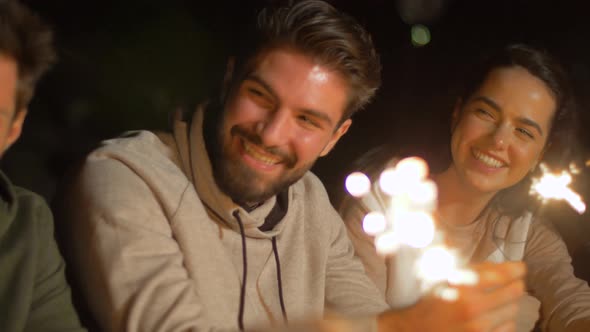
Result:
x=500 y=132
x=515 y=112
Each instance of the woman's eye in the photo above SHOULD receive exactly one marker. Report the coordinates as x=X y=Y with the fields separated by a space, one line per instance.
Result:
x=255 y=92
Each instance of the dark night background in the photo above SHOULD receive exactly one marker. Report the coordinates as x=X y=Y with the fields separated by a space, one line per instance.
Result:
x=125 y=65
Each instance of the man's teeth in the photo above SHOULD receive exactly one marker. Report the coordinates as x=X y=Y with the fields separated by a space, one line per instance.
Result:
x=254 y=153
x=487 y=160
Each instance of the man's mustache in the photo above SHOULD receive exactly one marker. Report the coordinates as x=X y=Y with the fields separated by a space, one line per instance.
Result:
x=286 y=158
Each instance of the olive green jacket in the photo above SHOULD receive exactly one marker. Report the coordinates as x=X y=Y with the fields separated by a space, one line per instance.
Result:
x=34 y=295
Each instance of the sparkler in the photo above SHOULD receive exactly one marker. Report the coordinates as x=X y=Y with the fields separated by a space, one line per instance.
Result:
x=401 y=204
x=556 y=186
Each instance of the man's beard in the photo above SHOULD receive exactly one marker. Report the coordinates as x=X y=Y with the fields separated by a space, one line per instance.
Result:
x=241 y=183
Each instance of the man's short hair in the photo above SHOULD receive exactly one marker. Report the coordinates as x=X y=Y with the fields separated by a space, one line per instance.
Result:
x=315 y=28
x=27 y=40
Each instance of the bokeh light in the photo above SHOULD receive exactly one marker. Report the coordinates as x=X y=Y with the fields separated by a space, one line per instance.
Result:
x=358 y=184
x=389 y=182
x=374 y=223
x=386 y=243
x=417 y=229
x=420 y=35
x=436 y=264
x=412 y=167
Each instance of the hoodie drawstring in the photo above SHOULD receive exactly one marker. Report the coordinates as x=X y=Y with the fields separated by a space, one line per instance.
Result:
x=279 y=279
x=245 y=272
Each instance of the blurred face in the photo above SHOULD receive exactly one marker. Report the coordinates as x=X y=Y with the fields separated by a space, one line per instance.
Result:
x=282 y=117
x=10 y=121
x=500 y=132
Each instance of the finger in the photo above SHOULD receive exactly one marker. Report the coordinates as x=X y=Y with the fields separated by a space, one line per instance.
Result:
x=511 y=293
x=499 y=319
x=472 y=304
x=509 y=326
x=493 y=275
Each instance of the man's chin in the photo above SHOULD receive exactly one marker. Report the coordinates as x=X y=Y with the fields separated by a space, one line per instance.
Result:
x=245 y=185
x=251 y=191
x=250 y=197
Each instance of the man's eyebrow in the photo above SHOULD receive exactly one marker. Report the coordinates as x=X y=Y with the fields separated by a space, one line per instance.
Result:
x=320 y=115
x=317 y=114
x=495 y=106
x=488 y=101
x=266 y=86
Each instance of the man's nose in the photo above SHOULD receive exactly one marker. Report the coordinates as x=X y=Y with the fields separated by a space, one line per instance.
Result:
x=276 y=128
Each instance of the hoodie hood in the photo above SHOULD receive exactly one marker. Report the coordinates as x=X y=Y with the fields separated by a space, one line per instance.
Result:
x=192 y=150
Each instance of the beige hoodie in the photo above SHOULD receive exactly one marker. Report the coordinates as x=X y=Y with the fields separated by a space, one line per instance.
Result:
x=156 y=246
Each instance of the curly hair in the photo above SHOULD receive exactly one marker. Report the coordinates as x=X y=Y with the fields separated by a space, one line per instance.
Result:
x=27 y=40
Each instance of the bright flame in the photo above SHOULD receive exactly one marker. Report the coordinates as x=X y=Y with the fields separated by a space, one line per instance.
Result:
x=416 y=229
x=386 y=243
x=423 y=192
x=555 y=186
x=413 y=167
x=374 y=223
x=401 y=215
x=574 y=169
x=358 y=184
x=436 y=264
x=463 y=277
x=448 y=294
x=390 y=182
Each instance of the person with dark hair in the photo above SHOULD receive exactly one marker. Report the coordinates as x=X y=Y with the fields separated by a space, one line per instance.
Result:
x=219 y=225
x=516 y=111
x=34 y=295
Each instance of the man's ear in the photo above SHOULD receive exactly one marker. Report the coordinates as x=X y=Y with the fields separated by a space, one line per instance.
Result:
x=336 y=136
x=456 y=114
x=15 y=128
x=227 y=77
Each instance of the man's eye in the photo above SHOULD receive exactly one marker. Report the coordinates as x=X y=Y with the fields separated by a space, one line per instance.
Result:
x=259 y=97
x=308 y=120
x=525 y=133
x=484 y=113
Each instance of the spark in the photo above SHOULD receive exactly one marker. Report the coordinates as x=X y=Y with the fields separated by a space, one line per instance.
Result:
x=556 y=186
x=436 y=264
x=400 y=214
x=418 y=229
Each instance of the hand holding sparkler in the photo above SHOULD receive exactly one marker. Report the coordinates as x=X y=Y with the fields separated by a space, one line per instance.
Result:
x=401 y=204
x=489 y=305
x=425 y=278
